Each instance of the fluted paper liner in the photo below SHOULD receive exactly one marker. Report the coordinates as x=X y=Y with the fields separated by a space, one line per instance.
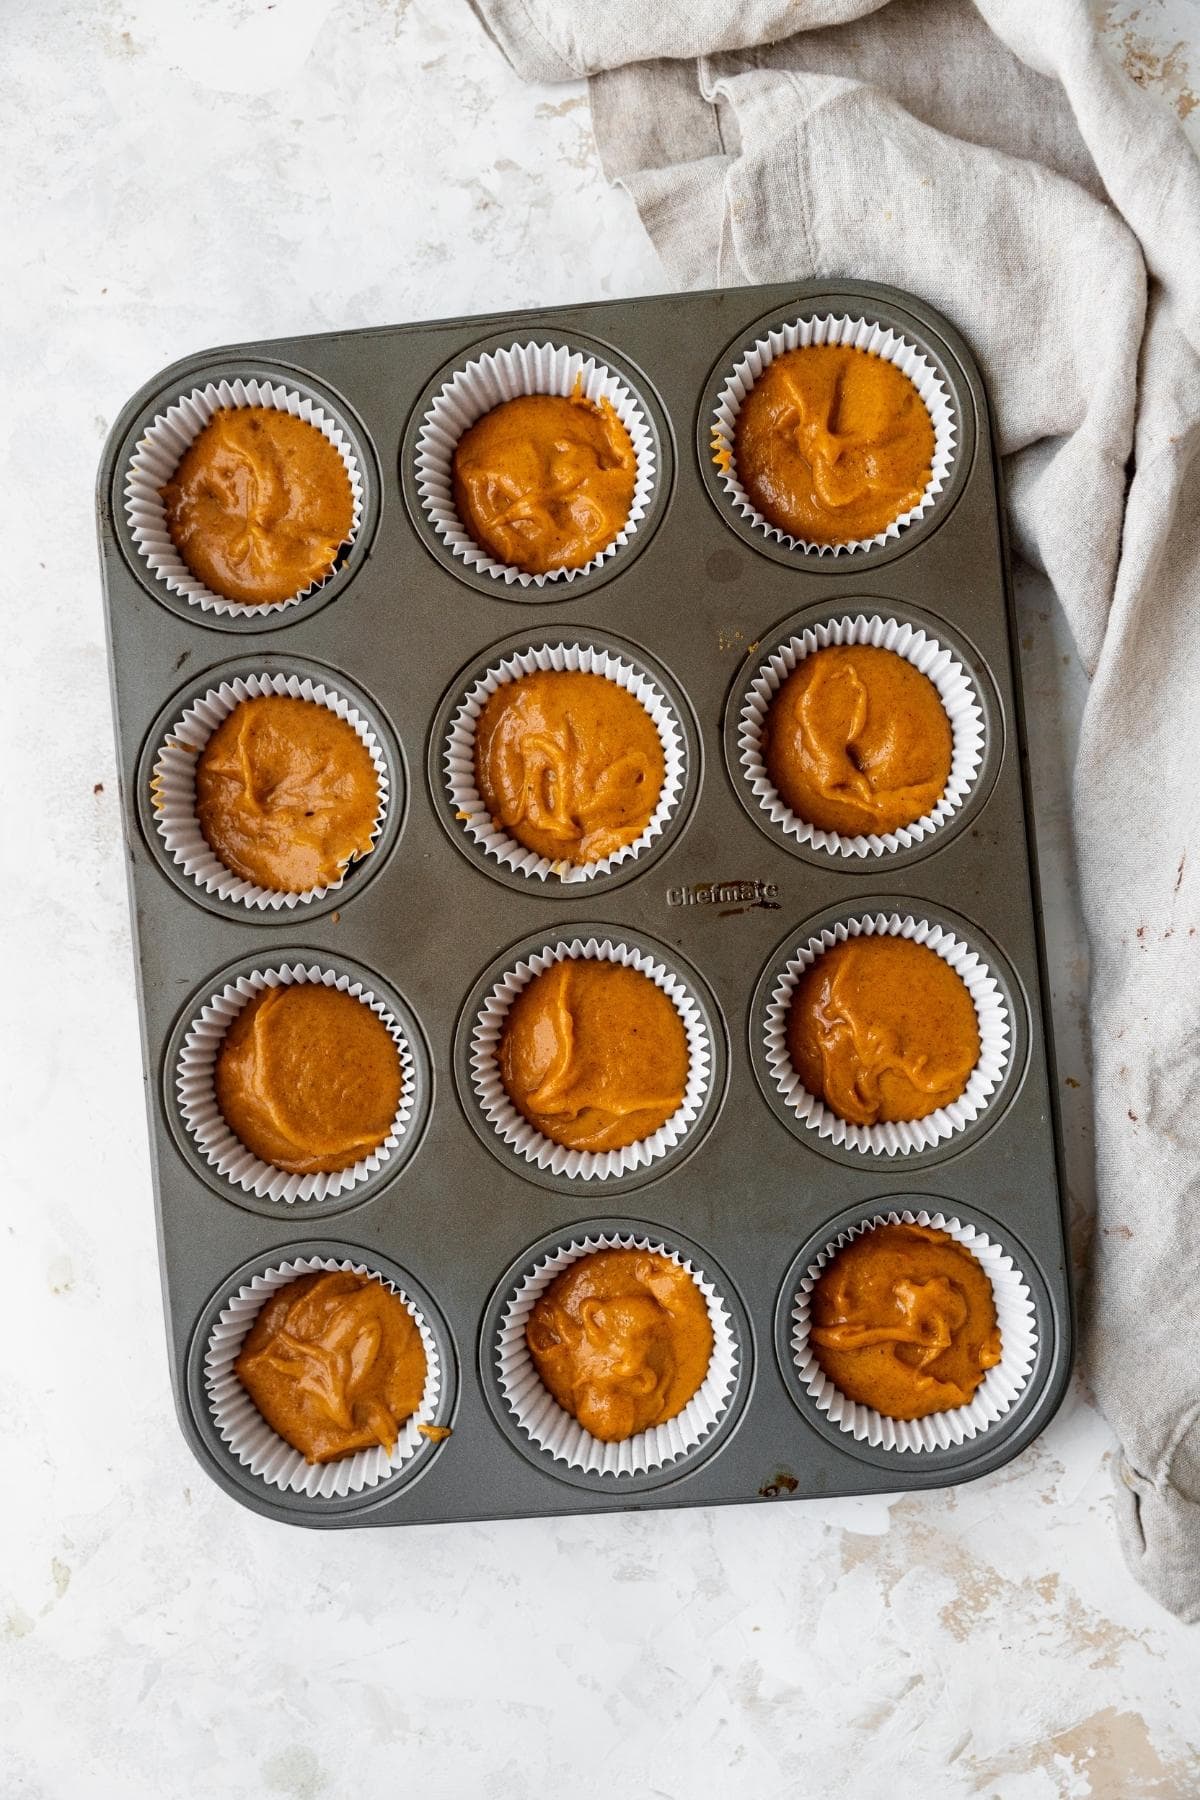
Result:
x=860 y=334
x=524 y=1139
x=159 y=453
x=898 y=1138
x=560 y=1435
x=996 y=1394
x=173 y=785
x=955 y=690
x=247 y=1434
x=458 y=757
x=486 y=382
x=217 y=1143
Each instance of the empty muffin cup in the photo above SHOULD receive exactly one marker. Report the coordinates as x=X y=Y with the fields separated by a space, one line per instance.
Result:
x=893 y=1137
x=256 y=1445
x=554 y=1430
x=217 y=1143
x=159 y=453
x=997 y=1393
x=173 y=785
x=955 y=689
x=458 y=757
x=488 y=381
x=833 y=330
x=524 y=1139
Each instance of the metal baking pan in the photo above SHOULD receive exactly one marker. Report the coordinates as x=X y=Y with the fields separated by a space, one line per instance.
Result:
x=754 y=1194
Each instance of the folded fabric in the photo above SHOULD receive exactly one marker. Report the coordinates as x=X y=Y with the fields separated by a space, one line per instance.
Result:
x=993 y=160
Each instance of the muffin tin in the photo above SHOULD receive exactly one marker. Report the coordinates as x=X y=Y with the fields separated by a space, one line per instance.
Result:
x=696 y=601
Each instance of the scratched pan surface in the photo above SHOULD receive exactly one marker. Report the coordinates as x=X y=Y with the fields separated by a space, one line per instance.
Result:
x=753 y=1197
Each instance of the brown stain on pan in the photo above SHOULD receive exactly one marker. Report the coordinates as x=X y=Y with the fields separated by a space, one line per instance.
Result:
x=781 y=1483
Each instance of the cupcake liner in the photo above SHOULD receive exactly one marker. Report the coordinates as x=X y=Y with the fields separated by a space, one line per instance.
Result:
x=173 y=785
x=247 y=1434
x=996 y=1394
x=559 y=1434
x=196 y=1092
x=955 y=689
x=158 y=455
x=485 y=382
x=861 y=334
x=459 y=758
x=904 y=1137
x=525 y=1141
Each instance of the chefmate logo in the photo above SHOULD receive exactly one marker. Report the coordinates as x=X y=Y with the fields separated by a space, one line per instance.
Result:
x=727 y=896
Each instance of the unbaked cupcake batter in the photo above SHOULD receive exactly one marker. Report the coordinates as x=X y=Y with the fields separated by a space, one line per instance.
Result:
x=334 y=1363
x=545 y=481
x=593 y=1054
x=569 y=764
x=882 y=1029
x=622 y=1340
x=286 y=793
x=904 y=1320
x=308 y=1078
x=857 y=741
x=832 y=443
x=260 y=505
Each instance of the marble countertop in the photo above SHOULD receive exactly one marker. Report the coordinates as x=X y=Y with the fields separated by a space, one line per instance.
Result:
x=182 y=176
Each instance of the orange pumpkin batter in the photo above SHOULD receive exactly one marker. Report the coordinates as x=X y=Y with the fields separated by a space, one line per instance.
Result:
x=569 y=764
x=593 y=1054
x=904 y=1320
x=882 y=1029
x=832 y=444
x=622 y=1340
x=308 y=1078
x=260 y=505
x=545 y=481
x=334 y=1363
x=857 y=741
x=286 y=793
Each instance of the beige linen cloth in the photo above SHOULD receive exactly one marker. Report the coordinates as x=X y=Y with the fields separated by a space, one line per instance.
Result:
x=991 y=159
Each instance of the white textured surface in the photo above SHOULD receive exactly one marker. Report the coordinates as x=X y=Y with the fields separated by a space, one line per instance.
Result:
x=293 y=167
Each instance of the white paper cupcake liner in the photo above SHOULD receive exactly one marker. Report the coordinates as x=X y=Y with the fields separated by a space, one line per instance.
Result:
x=904 y=1137
x=459 y=758
x=173 y=785
x=560 y=1435
x=260 y=1449
x=955 y=689
x=196 y=1091
x=525 y=1141
x=996 y=1394
x=861 y=334
x=159 y=454
x=487 y=381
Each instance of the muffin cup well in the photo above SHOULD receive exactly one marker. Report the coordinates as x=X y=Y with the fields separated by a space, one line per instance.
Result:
x=996 y=1394
x=173 y=785
x=524 y=1139
x=560 y=1435
x=247 y=1434
x=956 y=691
x=159 y=453
x=485 y=382
x=860 y=334
x=904 y=1137
x=458 y=757
x=202 y=1118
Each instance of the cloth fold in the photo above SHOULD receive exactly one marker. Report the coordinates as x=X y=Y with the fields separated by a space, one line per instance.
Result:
x=990 y=158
